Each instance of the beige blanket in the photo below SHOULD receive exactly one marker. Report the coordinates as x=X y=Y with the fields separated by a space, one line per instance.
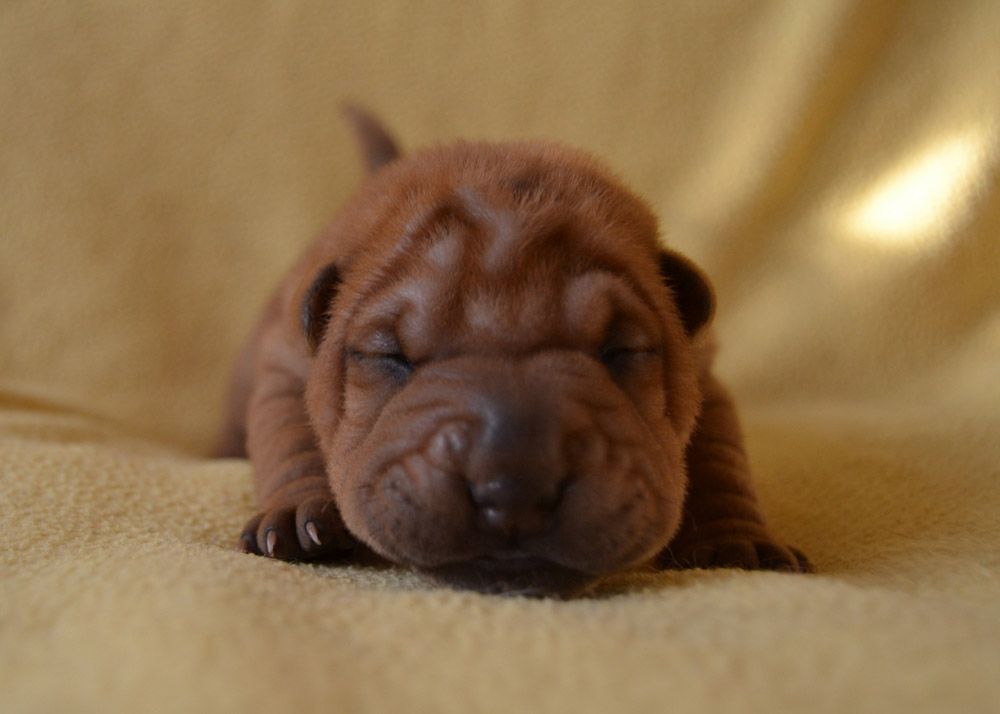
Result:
x=834 y=167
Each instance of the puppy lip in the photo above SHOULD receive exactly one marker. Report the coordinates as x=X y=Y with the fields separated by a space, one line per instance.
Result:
x=514 y=573
x=509 y=554
x=511 y=560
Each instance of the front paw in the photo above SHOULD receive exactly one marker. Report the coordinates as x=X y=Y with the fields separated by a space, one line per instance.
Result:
x=310 y=530
x=747 y=553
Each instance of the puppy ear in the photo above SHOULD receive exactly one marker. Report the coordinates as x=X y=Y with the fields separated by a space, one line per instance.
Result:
x=377 y=144
x=314 y=314
x=692 y=294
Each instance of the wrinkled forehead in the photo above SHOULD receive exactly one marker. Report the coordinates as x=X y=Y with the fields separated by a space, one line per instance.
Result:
x=491 y=280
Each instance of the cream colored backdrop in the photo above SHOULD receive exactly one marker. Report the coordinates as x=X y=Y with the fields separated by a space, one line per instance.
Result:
x=833 y=165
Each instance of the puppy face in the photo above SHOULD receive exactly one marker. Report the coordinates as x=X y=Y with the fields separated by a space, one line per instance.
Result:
x=506 y=384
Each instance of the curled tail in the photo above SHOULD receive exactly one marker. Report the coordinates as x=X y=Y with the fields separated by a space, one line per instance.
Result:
x=377 y=145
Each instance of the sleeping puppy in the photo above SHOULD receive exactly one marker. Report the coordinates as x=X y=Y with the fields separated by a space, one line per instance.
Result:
x=488 y=369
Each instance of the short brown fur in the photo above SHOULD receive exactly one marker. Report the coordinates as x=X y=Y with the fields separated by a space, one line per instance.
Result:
x=488 y=369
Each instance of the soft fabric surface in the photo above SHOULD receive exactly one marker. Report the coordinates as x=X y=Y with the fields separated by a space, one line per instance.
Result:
x=832 y=165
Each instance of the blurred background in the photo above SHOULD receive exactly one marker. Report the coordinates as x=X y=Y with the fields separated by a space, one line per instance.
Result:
x=832 y=165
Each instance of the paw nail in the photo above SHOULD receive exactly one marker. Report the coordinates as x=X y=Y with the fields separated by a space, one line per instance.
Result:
x=272 y=540
x=313 y=533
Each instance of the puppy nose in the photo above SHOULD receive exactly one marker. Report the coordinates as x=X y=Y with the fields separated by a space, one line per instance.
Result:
x=512 y=508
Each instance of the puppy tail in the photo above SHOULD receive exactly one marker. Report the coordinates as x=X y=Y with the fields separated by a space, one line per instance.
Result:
x=377 y=145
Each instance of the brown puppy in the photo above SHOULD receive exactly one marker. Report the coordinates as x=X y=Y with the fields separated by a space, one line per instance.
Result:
x=488 y=369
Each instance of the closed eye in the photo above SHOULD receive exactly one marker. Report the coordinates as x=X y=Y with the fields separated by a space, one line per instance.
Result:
x=397 y=359
x=395 y=363
x=610 y=354
x=618 y=359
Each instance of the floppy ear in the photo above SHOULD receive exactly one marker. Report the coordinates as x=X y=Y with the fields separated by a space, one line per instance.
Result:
x=692 y=293
x=314 y=314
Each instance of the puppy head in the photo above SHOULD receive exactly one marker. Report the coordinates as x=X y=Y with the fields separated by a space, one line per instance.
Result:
x=504 y=374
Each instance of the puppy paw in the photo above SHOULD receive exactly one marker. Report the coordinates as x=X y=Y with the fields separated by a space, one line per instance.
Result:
x=310 y=530
x=741 y=552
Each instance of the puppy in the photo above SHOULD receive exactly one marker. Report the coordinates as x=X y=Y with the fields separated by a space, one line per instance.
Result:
x=488 y=369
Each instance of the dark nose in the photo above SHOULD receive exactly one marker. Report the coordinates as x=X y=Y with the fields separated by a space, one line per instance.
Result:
x=515 y=470
x=513 y=508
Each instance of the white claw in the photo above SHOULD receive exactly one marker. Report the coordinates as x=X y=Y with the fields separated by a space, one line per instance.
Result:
x=313 y=533
x=271 y=541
